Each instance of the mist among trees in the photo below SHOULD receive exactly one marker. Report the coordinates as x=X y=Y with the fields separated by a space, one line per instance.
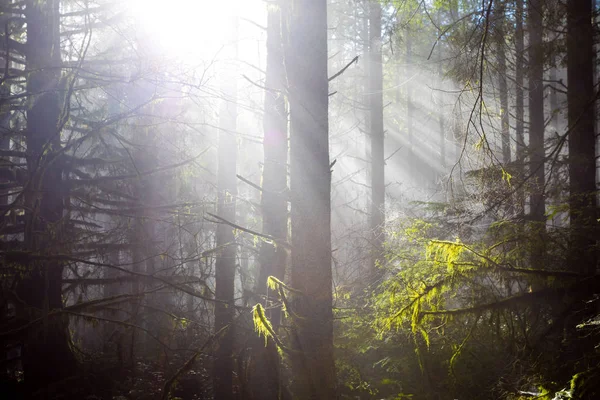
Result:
x=299 y=199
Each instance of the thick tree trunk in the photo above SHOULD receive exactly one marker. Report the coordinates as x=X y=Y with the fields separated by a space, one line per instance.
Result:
x=226 y=256
x=537 y=201
x=312 y=362
x=377 y=137
x=582 y=140
x=264 y=378
x=46 y=344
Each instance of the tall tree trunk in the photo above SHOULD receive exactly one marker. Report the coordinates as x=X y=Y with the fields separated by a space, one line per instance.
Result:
x=536 y=128
x=312 y=363
x=5 y=113
x=409 y=105
x=502 y=86
x=366 y=57
x=46 y=344
x=138 y=266
x=441 y=117
x=377 y=136
x=554 y=11
x=226 y=256
x=519 y=100
x=272 y=257
x=582 y=140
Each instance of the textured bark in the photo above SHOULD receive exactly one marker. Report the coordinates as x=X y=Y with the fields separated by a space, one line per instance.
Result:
x=377 y=136
x=275 y=145
x=537 y=201
x=313 y=367
x=226 y=257
x=499 y=14
x=46 y=344
x=264 y=376
x=519 y=100
x=582 y=141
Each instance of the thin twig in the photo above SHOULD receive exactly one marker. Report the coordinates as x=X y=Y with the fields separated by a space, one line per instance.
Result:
x=341 y=71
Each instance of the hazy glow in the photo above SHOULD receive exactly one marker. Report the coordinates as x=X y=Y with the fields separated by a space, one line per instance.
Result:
x=185 y=29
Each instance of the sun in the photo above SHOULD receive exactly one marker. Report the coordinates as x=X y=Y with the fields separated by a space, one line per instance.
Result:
x=185 y=29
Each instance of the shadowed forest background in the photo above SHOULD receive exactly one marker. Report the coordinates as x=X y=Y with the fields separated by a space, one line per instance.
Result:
x=299 y=199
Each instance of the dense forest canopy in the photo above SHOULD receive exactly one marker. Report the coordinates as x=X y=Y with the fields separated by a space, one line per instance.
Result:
x=299 y=199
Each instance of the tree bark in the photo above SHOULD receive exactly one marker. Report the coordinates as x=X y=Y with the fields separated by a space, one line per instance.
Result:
x=537 y=201
x=377 y=137
x=40 y=289
x=502 y=85
x=519 y=100
x=226 y=256
x=313 y=367
x=265 y=379
x=582 y=140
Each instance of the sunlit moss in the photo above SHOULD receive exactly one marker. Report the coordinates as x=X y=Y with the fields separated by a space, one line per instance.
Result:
x=262 y=325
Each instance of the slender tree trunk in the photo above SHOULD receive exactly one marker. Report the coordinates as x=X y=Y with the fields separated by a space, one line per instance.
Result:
x=5 y=114
x=142 y=189
x=537 y=201
x=441 y=117
x=46 y=344
x=366 y=57
x=137 y=266
x=582 y=140
x=519 y=106
x=554 y=11
x=226 y=257
x=265 y=379
x=502 y=85
x=409 y=104
x=312 y=363
x=273 y=258
x=377 y=136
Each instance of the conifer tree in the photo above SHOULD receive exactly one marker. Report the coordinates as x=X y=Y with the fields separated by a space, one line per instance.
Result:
x=313 y=366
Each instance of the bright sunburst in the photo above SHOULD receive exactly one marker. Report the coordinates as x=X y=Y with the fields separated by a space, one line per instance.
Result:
x=186 y=29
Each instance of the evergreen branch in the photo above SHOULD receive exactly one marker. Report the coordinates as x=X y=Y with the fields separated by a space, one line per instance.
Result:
x=247 y=230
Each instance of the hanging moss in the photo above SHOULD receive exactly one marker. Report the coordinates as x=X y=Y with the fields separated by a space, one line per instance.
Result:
x=262 y=325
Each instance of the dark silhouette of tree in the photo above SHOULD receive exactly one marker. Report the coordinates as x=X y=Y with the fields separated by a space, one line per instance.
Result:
x=582 y=140
x=43 y=199
x=537 y=202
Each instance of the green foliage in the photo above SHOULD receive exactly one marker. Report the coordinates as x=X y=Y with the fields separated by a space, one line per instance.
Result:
x=458 y=315
x=262 y=325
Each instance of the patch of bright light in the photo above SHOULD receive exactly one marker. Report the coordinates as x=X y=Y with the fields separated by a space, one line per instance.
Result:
x=184 y=29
